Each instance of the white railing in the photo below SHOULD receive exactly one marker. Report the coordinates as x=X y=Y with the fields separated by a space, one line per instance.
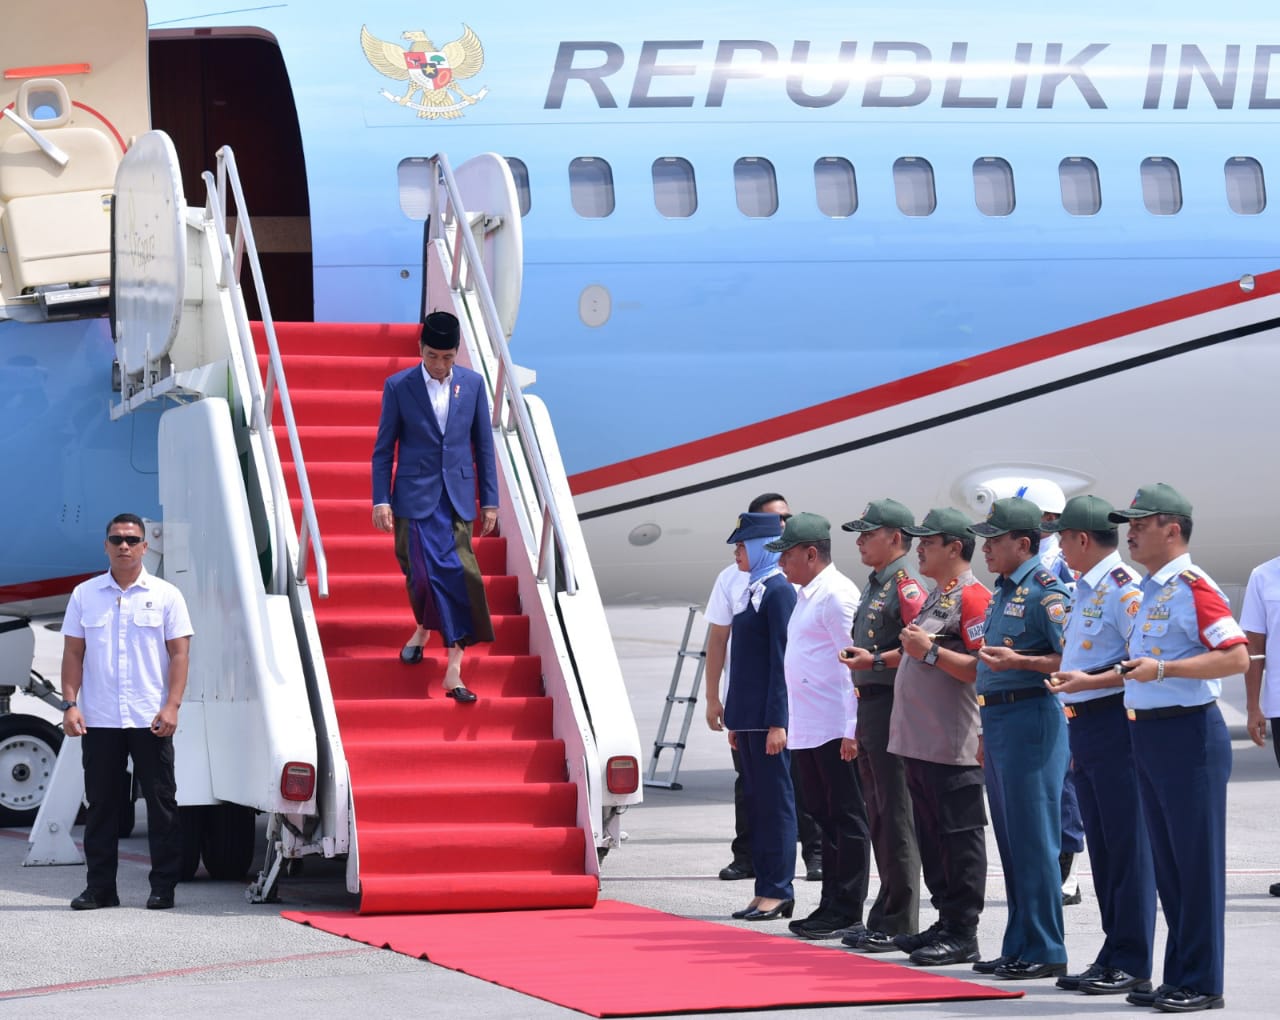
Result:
x=261 y=396
x=448 y=215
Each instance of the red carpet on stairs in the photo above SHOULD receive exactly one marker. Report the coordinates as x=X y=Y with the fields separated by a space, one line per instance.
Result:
x=622 y=960
x=458 y=807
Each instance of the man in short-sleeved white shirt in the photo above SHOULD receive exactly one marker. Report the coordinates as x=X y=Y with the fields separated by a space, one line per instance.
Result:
x=823 y=719
x=1260 y=620
x=126 y=636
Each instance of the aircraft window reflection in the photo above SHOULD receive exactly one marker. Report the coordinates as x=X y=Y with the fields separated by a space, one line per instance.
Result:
x=520 y=174
x=756 y=184
x=675 y=192
x=836 y=185
x=1161 y=186
x=1246 y=189
x=414 y=178
x=913 y=186
x=993 y=186
x=591 y=187
x=1081 y=187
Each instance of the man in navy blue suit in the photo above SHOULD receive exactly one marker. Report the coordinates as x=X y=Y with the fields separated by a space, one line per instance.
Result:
x=435 y=426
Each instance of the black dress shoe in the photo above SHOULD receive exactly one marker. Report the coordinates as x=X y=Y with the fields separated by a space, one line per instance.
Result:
x=990 y=966
x=784 y=909
x=798 y=922
x=1113 y=982
x=460 y=694
x=910 y=943
x=819 y=928
x=1275 y=889
x=738 y=915
x=1137 y=998
x=1025 y=970
x=411 y=655
x=93 y=899
x=1187 y=1000
x=948 y=947
x=813 y=871
x=160 y=901
x=854 y=935
x=878 y=942
x=1071 y=982
x=735 y=871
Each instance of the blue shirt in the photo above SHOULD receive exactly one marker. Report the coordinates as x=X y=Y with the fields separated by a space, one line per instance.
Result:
x=1107 y=599
x=1183 y=614
x=1027 y=612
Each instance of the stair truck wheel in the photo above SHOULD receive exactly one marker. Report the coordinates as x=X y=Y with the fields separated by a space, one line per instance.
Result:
x=193 y=824
x=227 y=843
x=28 y=748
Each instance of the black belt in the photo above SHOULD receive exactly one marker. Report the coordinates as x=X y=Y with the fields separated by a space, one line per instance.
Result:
x=871 y=690
x=1009 y=697
x=1108 y=704
x=1171 y=712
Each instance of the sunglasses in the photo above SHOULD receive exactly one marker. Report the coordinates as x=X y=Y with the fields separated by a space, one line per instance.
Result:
x=124 y=539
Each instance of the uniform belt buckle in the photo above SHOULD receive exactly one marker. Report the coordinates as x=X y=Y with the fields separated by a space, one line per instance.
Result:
x=1132 y=714
x=982 y=699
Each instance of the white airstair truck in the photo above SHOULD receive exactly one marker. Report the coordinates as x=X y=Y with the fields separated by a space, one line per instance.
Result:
x=258 y=731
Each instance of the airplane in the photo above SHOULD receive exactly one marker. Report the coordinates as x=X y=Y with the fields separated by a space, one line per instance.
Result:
x=840 y=253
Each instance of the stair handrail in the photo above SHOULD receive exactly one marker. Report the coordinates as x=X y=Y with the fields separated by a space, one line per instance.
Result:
x=261 y=395
x=464 y=250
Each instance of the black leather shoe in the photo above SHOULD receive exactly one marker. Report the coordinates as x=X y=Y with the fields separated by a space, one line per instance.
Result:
x=1137 y=998
x=783 y=909
x=411 y=655
x=1072 y=898
x=735 y=871
x=1187 y=1000
x=947 y=947
x=1113 y=982
x=854 y=935
x=878 y=942
x=460 y=694
x=990 y=966
x=1025 y=970
x=1071 y=982
x=813 y=871
x=819 y=928
x=738 y=915
x=816 y=915
x=93 y=899
x=1275 y=889
x=160 y=901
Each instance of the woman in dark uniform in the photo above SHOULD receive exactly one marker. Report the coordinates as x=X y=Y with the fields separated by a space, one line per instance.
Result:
x=755 y=714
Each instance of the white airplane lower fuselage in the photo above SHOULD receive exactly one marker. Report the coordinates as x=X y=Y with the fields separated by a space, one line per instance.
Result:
x=837 y=254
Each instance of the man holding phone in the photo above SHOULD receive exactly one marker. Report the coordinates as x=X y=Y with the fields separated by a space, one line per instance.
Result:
x=1107 y=600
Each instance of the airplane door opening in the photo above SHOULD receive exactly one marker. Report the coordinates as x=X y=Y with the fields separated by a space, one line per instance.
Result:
x=232 y=88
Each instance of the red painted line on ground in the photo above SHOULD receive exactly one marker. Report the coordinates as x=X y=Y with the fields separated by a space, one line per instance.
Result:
x=924 y=384
x=156 y=975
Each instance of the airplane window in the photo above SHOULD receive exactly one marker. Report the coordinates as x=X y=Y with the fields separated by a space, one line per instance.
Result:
x=993 y=186
x=1081 y=188
x=836 y=185
x=1246 y=190
x=520 y=174
x=1161 y=186
x=591 y=186
x=914 y=187
x=757 y=186
x=414 y=177
x=674 y=190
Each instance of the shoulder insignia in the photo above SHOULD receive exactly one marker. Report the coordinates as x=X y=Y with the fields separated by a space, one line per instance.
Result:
x=1121 y=576
x=1191 y=576
x=1044 y=578
x=1056 y=609
x=900 y=574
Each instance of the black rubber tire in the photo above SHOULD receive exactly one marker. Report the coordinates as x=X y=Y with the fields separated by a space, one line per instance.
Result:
x=227 y=844
x=28 y=748
x=193 y=821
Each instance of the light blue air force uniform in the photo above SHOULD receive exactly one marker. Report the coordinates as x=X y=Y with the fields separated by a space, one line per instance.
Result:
x=1107 y=600
x=1183 y=756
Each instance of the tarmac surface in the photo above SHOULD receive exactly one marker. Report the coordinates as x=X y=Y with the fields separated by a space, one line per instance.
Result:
x=215 y=954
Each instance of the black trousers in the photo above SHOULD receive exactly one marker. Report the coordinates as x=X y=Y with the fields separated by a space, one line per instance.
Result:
x=809 y=834
x=833 y=796
x=950 y=818
x=896 y=910
x=106 y=753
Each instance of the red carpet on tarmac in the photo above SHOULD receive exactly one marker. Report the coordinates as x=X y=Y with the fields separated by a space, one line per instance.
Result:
x=622 y=960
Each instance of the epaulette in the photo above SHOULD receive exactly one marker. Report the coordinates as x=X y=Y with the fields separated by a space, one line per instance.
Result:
x=900 y=574
x=1121 y=576
x=1045 y=579
x=1191 y=576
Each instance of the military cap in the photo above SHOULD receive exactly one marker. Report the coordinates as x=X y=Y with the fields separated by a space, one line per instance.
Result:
x=802 y=529
x=1154 y=499
x=756 y=526
x=881 y=513
x=1084 y=513
x=941 y=521
x=1012 y=514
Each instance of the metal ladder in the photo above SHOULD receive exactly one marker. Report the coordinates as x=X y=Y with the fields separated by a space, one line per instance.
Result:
x=689 y=701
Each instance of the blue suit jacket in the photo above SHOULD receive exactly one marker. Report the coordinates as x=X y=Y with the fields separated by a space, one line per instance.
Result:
x=427 y=462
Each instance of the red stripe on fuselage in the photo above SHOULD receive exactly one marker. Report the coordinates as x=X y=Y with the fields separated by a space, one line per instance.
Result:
x=30 y=591
x=923 y=384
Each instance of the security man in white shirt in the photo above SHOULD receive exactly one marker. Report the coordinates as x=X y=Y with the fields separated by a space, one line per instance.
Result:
x=1260 y=619
x=126 y=637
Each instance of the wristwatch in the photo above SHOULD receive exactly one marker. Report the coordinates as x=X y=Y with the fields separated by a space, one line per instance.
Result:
x=930 y=658
x=878 y=663
x=67 y=705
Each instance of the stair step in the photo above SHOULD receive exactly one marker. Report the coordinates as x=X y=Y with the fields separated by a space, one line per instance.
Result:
x=383 y=675
x=527 y=803
x=388 y=754
x=434 y=849
x=444 y=719
x=366 y=631
x=386 y=591
x=324 y=339
x=358 y=553
x=424 y=893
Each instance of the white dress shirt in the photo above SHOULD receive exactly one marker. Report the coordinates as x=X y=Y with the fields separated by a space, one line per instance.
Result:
x=1261 y=614
x=126 y=660
x=438 y=394
x=820 y=694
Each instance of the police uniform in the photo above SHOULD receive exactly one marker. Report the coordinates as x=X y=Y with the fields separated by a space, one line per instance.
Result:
x=1183 y=757
x=1025 y=758
x=1106 y=600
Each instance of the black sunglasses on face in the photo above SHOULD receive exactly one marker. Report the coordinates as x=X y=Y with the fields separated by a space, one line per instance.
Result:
x=123 y=539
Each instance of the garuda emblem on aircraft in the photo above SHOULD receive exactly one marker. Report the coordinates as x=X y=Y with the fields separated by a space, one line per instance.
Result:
x=433 y=74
